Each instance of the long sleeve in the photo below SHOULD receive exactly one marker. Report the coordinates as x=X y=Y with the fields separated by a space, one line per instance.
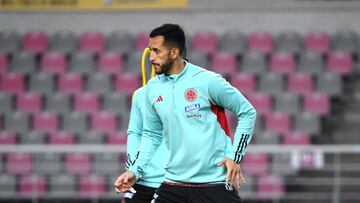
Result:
x=225 y=95
x=134 y=130
x=151 y=137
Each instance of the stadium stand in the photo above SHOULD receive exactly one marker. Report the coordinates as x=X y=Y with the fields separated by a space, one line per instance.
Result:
x=73 y=89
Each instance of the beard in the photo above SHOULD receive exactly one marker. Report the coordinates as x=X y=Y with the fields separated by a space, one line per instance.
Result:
x=165 y=68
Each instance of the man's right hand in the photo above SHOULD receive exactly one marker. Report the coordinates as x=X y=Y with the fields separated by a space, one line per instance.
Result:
x=124 y=182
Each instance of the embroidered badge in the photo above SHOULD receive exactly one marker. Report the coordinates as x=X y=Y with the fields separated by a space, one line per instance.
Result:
x=190 y=94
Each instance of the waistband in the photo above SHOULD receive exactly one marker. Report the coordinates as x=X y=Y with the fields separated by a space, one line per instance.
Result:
x=192 y=184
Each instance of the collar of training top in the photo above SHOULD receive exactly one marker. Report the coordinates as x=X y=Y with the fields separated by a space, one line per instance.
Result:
x=175 y=77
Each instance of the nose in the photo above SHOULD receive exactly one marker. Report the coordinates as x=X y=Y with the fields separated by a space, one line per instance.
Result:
x=152 y=56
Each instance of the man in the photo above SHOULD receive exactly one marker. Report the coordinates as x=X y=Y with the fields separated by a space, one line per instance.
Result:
x=182 y=104
x=144 y=190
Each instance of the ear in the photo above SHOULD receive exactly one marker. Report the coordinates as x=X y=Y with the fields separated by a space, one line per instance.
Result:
x=174 y=53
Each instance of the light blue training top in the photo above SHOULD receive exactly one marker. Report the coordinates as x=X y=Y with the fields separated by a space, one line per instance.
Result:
x=180 y=110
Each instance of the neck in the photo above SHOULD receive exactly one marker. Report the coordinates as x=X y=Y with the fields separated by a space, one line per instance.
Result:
x=177 y=67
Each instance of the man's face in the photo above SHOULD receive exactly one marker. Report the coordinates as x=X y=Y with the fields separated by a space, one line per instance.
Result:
x=160 y=55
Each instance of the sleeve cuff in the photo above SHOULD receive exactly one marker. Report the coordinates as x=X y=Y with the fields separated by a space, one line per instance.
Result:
x=237 y=158
x=137 y=171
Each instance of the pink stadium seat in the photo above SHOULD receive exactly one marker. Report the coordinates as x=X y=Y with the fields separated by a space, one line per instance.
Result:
x=87 y=102
x=296 y=138
x=46 y=122
x=317 y=41
x=53 y=62
x=35 y=42
x=300 y=83
x=104 y=122
x=110 y=62
x=278 y=122
x=3 y=63
x=282 y=62
x=270 y=187
x=7 y=138
x=13 y=83
x=141 y=41
x=205 y=42
x=260 y=42
x=317 y=103
x=32 y=186
x=255 y=164
x=71 y=83
x=224 y=63
x=244 y=82
x=92 y=42
x=92 y=186
x=261 y=102
x=340 y=63
x=77 y=164
x=29 y=102
x=62 y=138
x=127 y=82
x=118 y=138
x=18 y=163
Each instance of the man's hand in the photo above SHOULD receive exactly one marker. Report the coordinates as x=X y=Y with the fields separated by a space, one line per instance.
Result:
x=124 y=182
x=234 y=174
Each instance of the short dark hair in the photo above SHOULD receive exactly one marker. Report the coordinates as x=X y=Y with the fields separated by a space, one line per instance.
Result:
x=173 y=35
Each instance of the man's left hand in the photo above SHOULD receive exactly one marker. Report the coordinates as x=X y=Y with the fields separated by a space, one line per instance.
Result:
x=234 y=175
